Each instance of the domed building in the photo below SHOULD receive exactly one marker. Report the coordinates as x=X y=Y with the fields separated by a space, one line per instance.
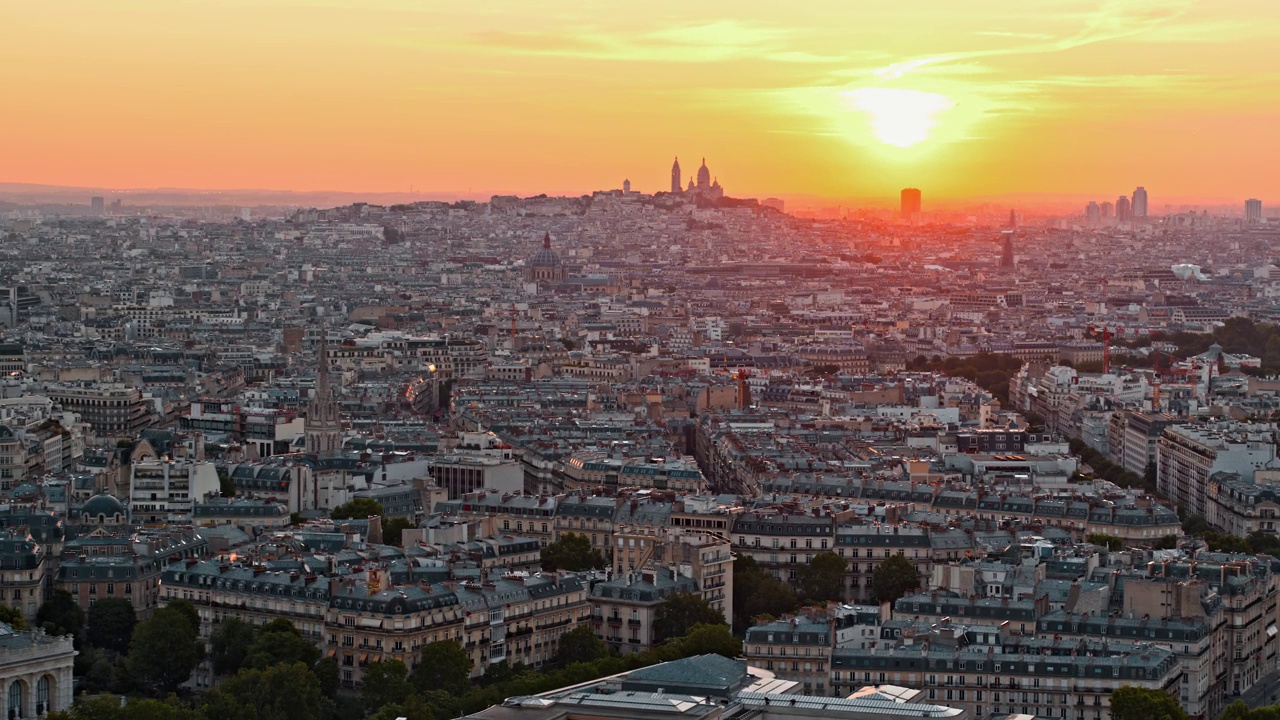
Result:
x=544 y=268
x=103 y=509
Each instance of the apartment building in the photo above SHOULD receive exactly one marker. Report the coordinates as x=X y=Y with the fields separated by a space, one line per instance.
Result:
x=623 y=607
x=1188 y=455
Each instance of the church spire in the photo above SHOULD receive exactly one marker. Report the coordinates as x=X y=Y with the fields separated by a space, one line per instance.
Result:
x=323 y=426
x=546 y=241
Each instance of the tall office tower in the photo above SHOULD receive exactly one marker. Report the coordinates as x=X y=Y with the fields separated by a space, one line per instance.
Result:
x=1124 y=212
x=1107 y=209
x=1253 y=211
x=910 y=203
x=1006 y=254
x=1140 y=202
x=1013 y=218
x=1092 y=214
x=97 y=205
x=675 y=176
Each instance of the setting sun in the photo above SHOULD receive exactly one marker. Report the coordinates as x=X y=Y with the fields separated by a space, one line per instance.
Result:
x=899 y=117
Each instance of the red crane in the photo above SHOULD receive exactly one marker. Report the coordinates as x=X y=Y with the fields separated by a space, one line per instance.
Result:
x=1104 y=334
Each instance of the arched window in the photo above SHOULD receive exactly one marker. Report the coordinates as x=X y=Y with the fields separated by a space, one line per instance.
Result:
x=42 y=695
x=15 y=699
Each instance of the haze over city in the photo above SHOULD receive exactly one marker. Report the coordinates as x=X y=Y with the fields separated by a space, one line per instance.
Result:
x=552 y=360
x=832 y=100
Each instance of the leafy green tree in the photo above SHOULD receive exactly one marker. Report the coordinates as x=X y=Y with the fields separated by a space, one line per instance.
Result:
x=1135 y=703
x=164 y=650
x=710 y=639
x=413 y=708
x=226 y=486
x=1110 y=542
x=444 y=665
x=327 y=673
x=823 y=578
x=12 y=616
x=1167 y=542
x=893 y=577
x=229 y=645
x=357 y=509
x=572 y=552
x=756 y=593
x=189 y=611
x=1195 y=525
x=60 y=614
x=111 y=623
x=108 y=707
x=280 y=692
x=580 y=645
x=679 y=613
x=385 y=683
x=393 y=530
x=279 y=642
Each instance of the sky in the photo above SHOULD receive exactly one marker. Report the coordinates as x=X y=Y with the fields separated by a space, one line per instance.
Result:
x=833 y=98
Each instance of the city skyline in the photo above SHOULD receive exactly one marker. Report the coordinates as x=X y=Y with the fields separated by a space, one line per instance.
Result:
x=842 y=102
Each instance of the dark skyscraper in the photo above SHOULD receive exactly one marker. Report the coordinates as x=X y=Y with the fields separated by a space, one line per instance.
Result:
x=1124 y=213
x=910 y=203
x=1253 y=211
x=1006 y=254
x=97 y=205
x=675 y=176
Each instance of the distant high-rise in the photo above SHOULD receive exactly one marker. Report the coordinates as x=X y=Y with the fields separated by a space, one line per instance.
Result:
x=910 y=203
x=1124 y=212
x=1013 y=218
x=1253 y=211
x=97 y=205
x=1092 y=213
x=1140 y=202
x=675 y=176
x=1107 y=209
x=1006 y=254
x=626 y=186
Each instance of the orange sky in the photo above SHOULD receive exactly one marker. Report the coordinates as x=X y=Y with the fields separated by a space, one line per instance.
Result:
x=837 y=98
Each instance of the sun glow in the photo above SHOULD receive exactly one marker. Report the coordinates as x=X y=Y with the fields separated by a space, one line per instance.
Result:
x=901 y=118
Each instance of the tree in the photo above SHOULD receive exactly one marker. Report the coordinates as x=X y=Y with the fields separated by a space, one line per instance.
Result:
x=756 y=593
x=580 y=645
x=12 y=616
x=60 y=614
x=229 y=645
x=326 y=671
x=357 y=509
x=280 y=692
x=108 y=707
x=572 y=552
x=164 y=650
x=111 y=623
x=1110 y=542
x=677 y=615
x=444 y=665
x=1135 y=703
x=385 y=683
x=1195 y=525
x=710 y=639
x=226 y=487
x=393 y=530
x=893 y=577
x=823 y=578
x=1167 y=542
x=413 y=708
x=189 y=611
x=279 y=642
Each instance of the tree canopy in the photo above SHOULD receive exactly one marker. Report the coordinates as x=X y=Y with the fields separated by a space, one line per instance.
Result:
x=13 y=616
x=679 y=613
x=357 y=509
x=572 y=552
x=289 y=691
x=823 y=578
x=385 y=683
x=111 y=623
x=60 y=614
x=1135 y=703
x=893 y=577
x=229 y=645
x=279 y=642
x=444 y=665
x=393 y=530
x=580 y=645
x=757 y=594
x=164 y=650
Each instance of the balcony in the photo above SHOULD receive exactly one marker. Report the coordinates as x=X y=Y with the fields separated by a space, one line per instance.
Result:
x=634 y=622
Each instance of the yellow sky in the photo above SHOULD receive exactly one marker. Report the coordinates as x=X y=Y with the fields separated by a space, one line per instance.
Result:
x=838 y=98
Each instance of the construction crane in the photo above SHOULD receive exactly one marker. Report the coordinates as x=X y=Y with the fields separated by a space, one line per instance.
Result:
x=1104 y=334
x=1155 y=383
